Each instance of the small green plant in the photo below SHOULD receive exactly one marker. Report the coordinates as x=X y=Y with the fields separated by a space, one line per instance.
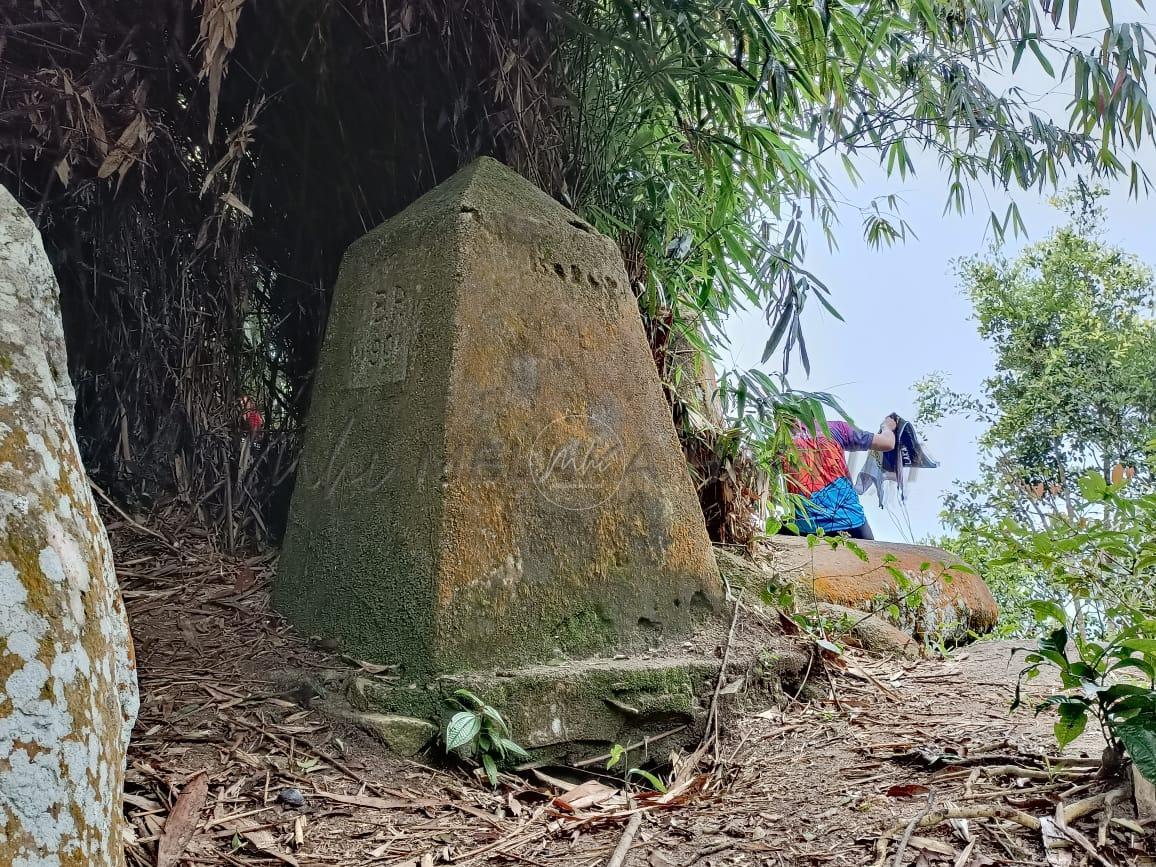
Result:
x=618 y=757
x=479 y=732
x=1112 y=682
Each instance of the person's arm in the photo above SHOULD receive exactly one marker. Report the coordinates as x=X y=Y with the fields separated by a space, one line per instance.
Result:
x=854 y=440
x=850 y=438
x=885 y=441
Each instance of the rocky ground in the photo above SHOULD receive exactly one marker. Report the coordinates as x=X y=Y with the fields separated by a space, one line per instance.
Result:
x=890 y=762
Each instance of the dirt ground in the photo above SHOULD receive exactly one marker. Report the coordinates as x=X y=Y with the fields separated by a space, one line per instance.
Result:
x=225 y=769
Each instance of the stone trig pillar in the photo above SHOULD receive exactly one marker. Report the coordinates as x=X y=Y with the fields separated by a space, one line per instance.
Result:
x=490 y=471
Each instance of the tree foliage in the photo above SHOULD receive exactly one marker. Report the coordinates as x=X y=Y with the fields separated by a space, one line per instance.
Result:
x=1070 y=323
x=1062 y=519
x=198 y=172
x=1074 y=393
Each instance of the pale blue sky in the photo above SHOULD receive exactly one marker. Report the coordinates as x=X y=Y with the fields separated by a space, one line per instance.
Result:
x=905 y=314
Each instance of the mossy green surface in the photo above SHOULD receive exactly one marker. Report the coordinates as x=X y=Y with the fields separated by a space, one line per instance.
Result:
x=567 y=709
x=420 y=532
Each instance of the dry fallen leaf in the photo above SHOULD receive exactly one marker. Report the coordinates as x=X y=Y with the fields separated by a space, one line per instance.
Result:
x=587 y=794
x=374 y=803
x=244 y=580
x=937 y=847
x=236 y=204
x=734 y=687
x=121 y=156
x=182 y=821
x=1056 y=845
x=373 y=667
x=908 y=790
x=264 y=842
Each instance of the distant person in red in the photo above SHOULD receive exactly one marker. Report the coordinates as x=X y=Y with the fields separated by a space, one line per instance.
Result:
x=252 y=421
x=820 y=478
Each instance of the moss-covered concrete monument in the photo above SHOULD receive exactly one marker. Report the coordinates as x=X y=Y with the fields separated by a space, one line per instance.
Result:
x=490 y=474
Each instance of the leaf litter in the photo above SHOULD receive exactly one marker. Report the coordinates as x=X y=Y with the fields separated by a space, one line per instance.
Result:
x=923 y=754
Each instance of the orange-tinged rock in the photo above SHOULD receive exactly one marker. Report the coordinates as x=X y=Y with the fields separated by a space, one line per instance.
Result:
x=490 y=474
x=935 y=593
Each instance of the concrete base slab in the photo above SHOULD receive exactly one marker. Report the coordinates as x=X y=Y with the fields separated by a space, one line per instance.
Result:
x=572 y=709
x=403 y=735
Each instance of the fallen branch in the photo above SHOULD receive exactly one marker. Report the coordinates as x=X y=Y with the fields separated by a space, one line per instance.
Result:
x=1094 y=804
x=831 y=683
x=862 y=674
x=1128 y=824
x=624 y=844
x=927 y=819
x=1017 y=771
x=1078 y=838
x=711 y=729
x=911 y=829
x=807 y=673
x=519 y=836
x=323 y=757
x=881 y=847
x=1012 y=759
x=134 y=524
x=1105 y=822
x=642 y=744
x=997 y=811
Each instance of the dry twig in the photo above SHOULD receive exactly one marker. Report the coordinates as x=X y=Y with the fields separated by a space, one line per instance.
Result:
x=624 y=844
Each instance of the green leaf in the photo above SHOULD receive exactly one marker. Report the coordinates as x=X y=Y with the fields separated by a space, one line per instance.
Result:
x=1073 y=719
x=1139 y=739
x=491 y=768
x=463 y=727
x=617 y=751
x=779 y=331
x=495 y=719
x=1142 y=665
x=1093 y=487
x=1044 y=62
x=829 y=646
x=1144 y=646
x=468 y=699
x=1054 y=646
x=514 y=749
x=657 y=784
x=858 y=551
x=1017 y=56
x=1137 y=696
x=1046 y=609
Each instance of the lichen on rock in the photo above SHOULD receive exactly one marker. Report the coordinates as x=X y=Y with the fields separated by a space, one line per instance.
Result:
x=490 y=472
x=68 y=694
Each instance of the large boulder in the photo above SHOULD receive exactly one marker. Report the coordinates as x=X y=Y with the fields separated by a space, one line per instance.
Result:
x=67 y=684
x=921 y=591
x=490 y=472
x=926 y=591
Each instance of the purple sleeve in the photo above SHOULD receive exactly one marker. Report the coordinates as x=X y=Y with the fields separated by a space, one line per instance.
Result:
x=850 y=438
